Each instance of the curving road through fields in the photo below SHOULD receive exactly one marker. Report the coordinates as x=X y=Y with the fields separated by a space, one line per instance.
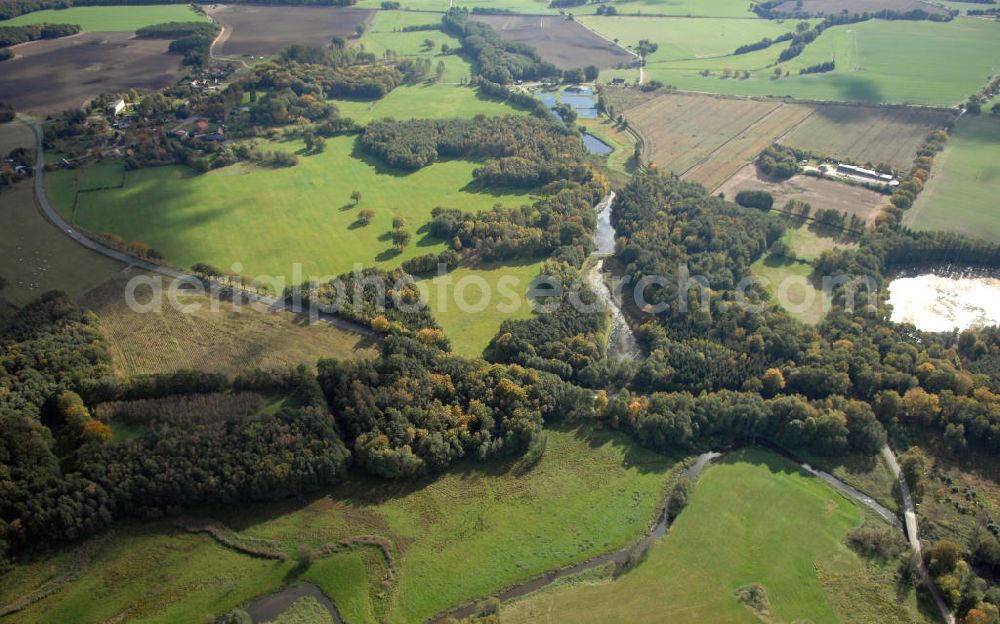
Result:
x=271 y=304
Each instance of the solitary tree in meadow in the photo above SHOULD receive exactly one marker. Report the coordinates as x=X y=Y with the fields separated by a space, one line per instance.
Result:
x=398 y=223
x=356 y=197
x=400 y=238
x=365 y=216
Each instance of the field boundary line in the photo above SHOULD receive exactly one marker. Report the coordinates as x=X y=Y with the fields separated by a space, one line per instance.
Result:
x=776 y=140
x=709 y=156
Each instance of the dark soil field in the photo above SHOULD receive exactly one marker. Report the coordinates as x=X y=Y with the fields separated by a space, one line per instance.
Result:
x=832 y=7
x=565 y=43
x=54 y=75
x=265 y=30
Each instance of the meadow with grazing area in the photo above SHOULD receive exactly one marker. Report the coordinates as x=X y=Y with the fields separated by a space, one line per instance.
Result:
x=708 y=139
x=267 y=219
x=961 y=194
x=111 y=18
x=37 y=257
x=678 y=38
x=500 y=287
x=899 y=62
x=264 y=30
x=385 y=32
x=794 y=286
x=227 y=339
x=14 y=135
x=697 y=8
x=455 y=537
x=820 y=193
x=425 y=101
x=743 y=524
x=835 y=7
x=867 y=135
x=51 y=76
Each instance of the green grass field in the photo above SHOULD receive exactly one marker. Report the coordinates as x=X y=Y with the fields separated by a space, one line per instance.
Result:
x=961 y=194
x=269 y=219
x=111 y=18
x=14 y=135
x=680 y=38
x=424 y=101
x=792 y=285
x=877 y=61
x=385 y=33
x=706 y=8
x=37 y=257
x=500 y=289
x=459 y=536
x=752 y=518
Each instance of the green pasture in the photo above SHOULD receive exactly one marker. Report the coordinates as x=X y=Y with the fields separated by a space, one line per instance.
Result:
x=901 y=62
x=424 y=101
x=752 y=518
x=470 y=303
x=386 y=33
x=111 y=18
x=793 y=286
x=37 y=257
x=680 y=38
x=961 y=194
x=456 y=537
x=268 y=219
x=701 y=8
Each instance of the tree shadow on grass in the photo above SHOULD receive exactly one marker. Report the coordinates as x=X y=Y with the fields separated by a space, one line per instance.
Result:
x=388 y=254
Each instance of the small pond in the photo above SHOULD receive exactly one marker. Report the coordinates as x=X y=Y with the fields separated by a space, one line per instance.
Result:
x=941 y=302
x=595 y=145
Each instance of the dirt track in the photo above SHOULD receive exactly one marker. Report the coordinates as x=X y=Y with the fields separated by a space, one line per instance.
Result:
x=53 y=75
x=560 y=41
x=264 y=30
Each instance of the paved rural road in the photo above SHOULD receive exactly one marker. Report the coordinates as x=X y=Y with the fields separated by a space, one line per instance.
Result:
x=270 y=303
x=910 y=518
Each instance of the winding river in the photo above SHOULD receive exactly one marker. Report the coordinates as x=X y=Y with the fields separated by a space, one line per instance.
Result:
x=622 y=342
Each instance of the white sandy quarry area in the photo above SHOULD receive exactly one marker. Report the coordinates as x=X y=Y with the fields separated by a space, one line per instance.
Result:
x=937 y=303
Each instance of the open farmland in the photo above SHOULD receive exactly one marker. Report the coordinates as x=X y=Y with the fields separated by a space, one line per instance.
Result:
x=224 y=340
x=680 y=38
x=708 y=139
x=264 y=30
x=820 y=193
x=14 y=135
x=499 y=289
x=698 y=8
x=961 y=194
x=560 y=41
x=867 y=135
x=54 y=75
x=878 y=61
x=268 y=219
x=836 y=7
x=36 y=257
x=456 y=536
x=111 y=18
x=745 y=522
x=386 y=33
